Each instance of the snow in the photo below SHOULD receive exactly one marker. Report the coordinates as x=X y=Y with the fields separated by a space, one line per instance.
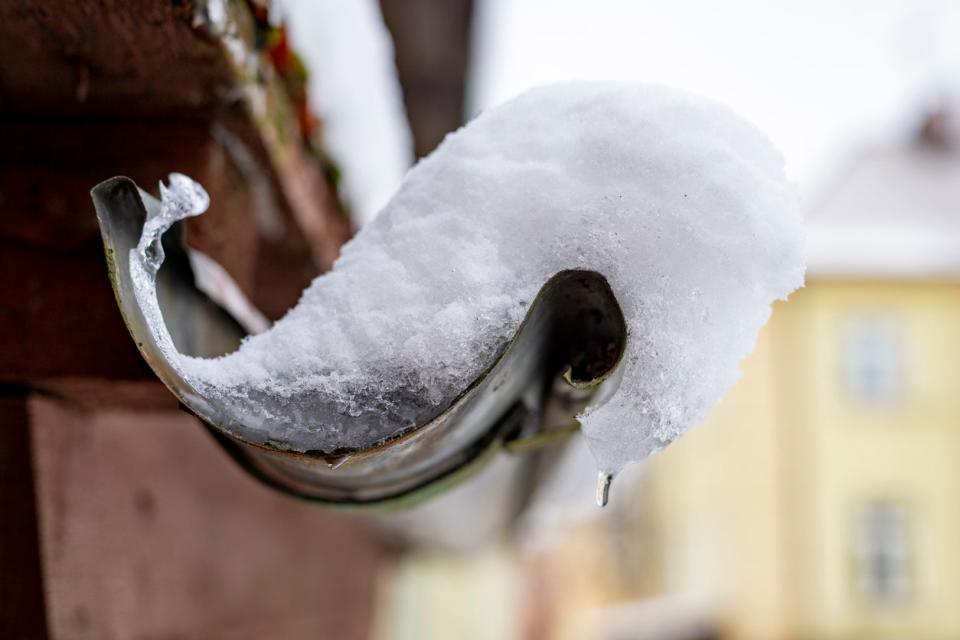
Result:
x=353 y=86
x=679 y=203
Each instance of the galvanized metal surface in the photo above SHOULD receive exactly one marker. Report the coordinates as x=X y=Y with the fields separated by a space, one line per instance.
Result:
x=573 y=328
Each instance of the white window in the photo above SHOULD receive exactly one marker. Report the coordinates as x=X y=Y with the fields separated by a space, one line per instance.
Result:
x=882 y=553
x=872 y=359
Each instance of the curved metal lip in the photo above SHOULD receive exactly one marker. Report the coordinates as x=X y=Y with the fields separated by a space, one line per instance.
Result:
x=120 y=230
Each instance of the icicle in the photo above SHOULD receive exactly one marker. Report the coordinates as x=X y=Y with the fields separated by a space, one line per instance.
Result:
x=603 y=488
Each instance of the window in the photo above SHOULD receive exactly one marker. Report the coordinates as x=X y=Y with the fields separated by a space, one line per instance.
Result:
x=872 y=357
x=882 y=551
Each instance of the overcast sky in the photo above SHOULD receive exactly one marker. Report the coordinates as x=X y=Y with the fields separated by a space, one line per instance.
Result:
x=821 y=77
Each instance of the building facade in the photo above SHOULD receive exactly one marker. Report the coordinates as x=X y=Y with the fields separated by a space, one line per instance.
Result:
x=821 y=498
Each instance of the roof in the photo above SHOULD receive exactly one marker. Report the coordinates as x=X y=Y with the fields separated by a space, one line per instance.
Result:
x=895 y=213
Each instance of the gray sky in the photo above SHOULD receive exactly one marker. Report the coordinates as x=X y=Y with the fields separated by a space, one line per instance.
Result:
x=820 y=77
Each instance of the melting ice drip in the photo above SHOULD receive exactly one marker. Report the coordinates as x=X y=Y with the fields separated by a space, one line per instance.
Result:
x=181 y=199
x=679 y=203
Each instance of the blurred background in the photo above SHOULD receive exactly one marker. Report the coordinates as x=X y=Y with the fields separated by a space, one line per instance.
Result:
x=821 y=498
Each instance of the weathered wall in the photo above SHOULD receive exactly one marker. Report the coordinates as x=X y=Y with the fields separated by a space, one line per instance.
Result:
x=148 y=530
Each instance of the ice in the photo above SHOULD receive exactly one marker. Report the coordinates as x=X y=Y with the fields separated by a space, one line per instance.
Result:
x=678 y=202
x=183 y=198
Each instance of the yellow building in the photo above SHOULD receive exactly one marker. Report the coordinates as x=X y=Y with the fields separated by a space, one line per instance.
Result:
x=822 y=497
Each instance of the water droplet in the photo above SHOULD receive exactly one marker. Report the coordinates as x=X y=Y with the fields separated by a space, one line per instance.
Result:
x=335 y=462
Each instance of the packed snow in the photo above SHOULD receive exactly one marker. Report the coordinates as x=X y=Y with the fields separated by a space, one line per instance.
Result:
x=677 y=201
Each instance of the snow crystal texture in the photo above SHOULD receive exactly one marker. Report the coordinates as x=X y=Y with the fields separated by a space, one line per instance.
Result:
x=678 y=202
